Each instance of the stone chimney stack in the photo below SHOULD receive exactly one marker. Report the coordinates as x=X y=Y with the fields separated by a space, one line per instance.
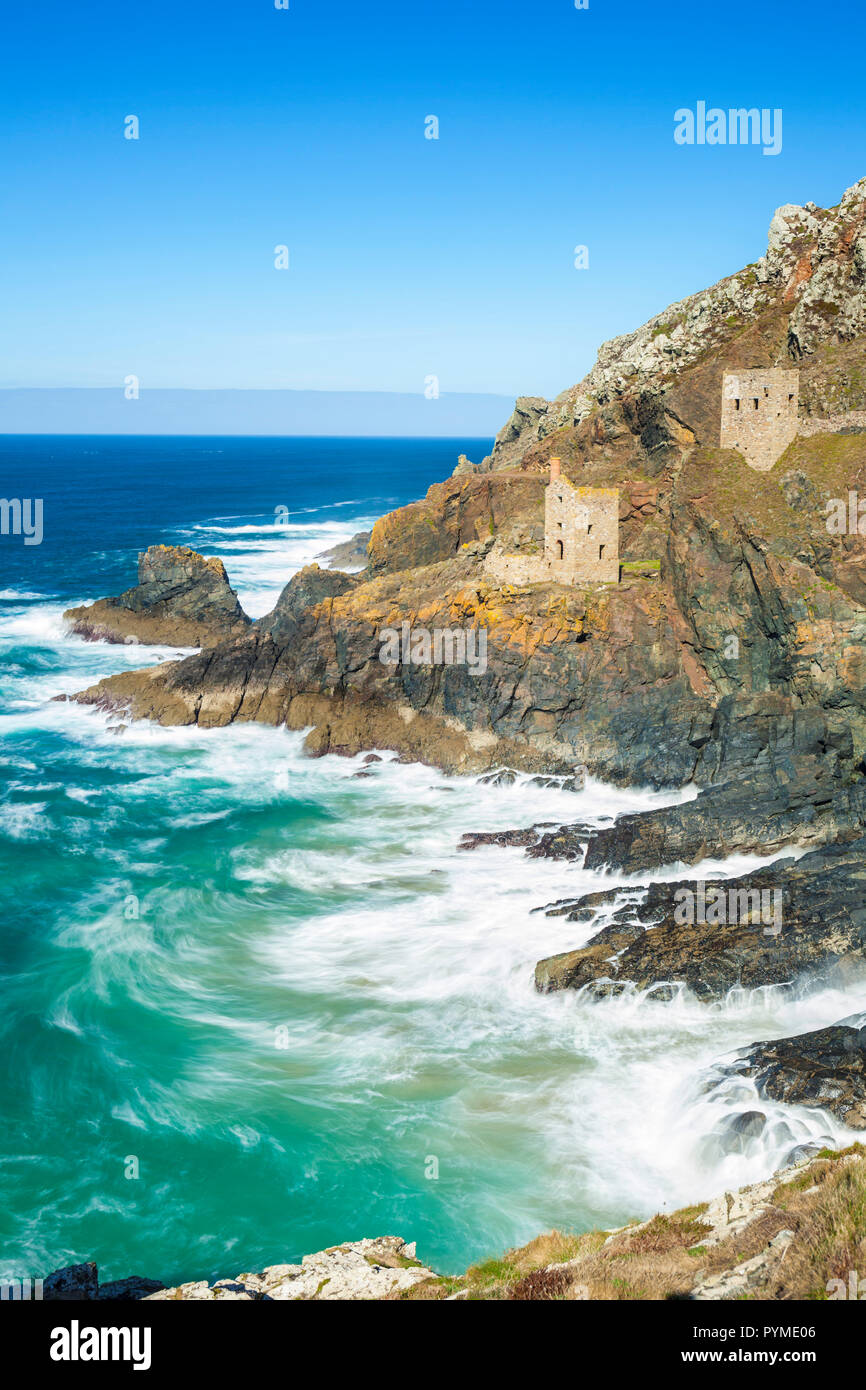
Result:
x=554 y=469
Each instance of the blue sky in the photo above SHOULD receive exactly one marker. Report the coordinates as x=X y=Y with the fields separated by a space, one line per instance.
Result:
x=409 y=257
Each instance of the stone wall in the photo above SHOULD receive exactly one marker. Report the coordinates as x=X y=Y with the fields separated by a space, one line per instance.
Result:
x=759 y=414
x=851 y=420
x=581 y=532
x=519 y=570
x=581 y=540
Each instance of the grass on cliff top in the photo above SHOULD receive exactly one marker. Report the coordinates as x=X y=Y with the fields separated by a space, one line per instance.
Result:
x=723 y=483
x=824 y=1205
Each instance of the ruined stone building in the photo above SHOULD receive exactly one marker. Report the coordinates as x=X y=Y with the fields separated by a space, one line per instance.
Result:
x=759 y=413
x=581 y=538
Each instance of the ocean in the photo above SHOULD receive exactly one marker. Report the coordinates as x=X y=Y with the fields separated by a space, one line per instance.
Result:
x=253 y=1006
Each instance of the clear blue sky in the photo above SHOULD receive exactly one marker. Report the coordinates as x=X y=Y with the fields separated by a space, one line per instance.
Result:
x=409 y=257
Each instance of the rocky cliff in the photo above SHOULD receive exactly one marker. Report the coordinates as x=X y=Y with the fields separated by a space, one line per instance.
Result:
x=803 y=303
x=732 y=653
x=738 y=626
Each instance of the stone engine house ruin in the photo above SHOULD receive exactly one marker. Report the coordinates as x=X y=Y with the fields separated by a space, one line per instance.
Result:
x=581 y=538
x=759 y=414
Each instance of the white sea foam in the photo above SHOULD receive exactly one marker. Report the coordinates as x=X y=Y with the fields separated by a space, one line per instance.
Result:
x=420 y=957
x=261 y=556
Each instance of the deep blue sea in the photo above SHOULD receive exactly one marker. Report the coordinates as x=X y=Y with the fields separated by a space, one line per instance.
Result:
x=252 y=1006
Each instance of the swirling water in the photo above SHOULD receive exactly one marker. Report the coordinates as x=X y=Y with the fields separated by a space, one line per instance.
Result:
x=253 y=1005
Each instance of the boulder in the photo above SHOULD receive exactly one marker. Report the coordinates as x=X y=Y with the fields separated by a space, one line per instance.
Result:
x=71 y=1284
x=825 y=1068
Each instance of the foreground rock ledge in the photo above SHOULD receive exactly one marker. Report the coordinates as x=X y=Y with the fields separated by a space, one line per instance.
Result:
x=181 y=599
x=795 y=1235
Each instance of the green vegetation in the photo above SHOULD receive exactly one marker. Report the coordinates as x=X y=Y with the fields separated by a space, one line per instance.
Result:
x=668 y=328
x=824 y=1204
x=640 y=566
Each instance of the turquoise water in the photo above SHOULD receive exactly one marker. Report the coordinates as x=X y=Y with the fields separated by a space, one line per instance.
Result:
x=253 y=1005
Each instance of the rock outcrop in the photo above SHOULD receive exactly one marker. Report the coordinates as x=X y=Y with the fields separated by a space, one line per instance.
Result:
x=825 y=1069
x=181 y=600
x=385 y=1268
x=805 y=295
x=80 y=1283
x=791 y=922
x=349 y=555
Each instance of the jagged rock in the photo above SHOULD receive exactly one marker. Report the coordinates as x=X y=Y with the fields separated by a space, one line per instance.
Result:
x=565 y=842
x=71 y=1284
x=309 y=587
x=463 y=511
x=744 y=1278
x=351 y=554
x=810 y=287
x=821 y=936
x=571 y=969
x=502 y=777
x=824 y=1068
x=474 y=839
x=464 y=467
x=181 y=599
x=364 y=1269
x=133 y=1288
x=791 y=799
